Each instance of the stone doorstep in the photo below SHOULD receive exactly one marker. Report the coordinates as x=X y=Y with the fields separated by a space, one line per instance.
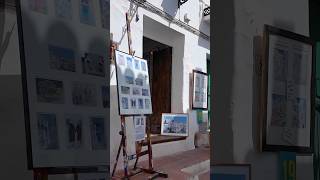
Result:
x=202 y=139
x=197 y=169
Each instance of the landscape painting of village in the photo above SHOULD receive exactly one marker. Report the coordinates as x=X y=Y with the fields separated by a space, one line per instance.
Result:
x=174 y=124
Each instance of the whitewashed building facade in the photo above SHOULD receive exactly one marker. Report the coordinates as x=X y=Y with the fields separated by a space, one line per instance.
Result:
x=157 y=24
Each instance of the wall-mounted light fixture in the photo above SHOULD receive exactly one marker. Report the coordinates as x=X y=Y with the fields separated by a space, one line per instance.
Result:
x=186 y=18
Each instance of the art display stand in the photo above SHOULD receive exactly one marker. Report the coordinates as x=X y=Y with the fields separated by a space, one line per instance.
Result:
x=136 y=169
x=123 y=144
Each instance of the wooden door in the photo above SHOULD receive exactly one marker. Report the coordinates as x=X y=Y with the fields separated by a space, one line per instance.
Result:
x=160 y=80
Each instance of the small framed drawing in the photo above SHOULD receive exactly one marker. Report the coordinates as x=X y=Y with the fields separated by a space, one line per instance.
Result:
x=200 y=90
x=174 y=124
x=139 y=127
x=287 y=104
x=231 y=172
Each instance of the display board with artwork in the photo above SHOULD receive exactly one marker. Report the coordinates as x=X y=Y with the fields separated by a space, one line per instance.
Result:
x=174 y=124
x=66 y=94
x=133 y=85
x=139 y=127
x=200 y=90
x=287 y=108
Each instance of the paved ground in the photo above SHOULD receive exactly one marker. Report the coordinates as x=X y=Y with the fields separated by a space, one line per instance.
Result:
x=174 y=163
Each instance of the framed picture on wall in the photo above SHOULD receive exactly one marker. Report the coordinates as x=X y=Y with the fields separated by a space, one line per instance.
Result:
x=288 y=92
x=231 y=171
x=133 y=85
x=175 y=124
x=200 y=90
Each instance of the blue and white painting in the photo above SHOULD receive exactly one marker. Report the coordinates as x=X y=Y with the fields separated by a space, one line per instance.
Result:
x=87 y=12
x=174 y=124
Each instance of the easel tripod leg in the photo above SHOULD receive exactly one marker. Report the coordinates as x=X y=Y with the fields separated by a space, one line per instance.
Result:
x=117 y=158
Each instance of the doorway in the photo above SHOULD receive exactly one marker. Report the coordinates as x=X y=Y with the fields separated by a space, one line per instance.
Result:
x=159 y=57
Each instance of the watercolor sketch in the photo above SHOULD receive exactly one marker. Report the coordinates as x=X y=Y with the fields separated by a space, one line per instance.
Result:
x=125 y=90
x=140 y=128
x=279 y=111
x=125 y=103
x=47 y=131
x=299 y=113
x=74 y=131
x=84 y=94
x=63 y=8
x=94 y=64
x=87 y=15
x=98 y=134
x=104 y=13
x=39 y=6
x=50 y=91
x=280 y=66
x=133 y=103
x=174 y=124
x=61 y=58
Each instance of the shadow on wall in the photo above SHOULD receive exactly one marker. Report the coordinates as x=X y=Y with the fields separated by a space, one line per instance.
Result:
x=170 y=7
x=133 y=9
x=2 y=23
x=4 y=38
x=203 y=42
x=223 y=74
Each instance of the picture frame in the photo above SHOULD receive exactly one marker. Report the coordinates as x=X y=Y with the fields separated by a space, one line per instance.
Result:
x=287 y=92
x=171 y=128
x=231 y=171
x=199 y=90
x=133 y=86
x=139 y=123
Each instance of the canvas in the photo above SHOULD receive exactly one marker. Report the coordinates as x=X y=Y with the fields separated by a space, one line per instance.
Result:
x=133 y=85
x=63 y=67
x=174 y=124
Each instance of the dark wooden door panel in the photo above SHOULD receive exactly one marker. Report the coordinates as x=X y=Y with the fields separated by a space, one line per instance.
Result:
x=161 y=86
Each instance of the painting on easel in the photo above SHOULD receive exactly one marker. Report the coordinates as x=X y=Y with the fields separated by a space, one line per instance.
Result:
x=65 y=88
x=133 y=85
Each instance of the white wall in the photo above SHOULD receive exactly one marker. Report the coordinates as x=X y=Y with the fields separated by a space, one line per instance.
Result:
x=235 y=134
x=189 y=52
